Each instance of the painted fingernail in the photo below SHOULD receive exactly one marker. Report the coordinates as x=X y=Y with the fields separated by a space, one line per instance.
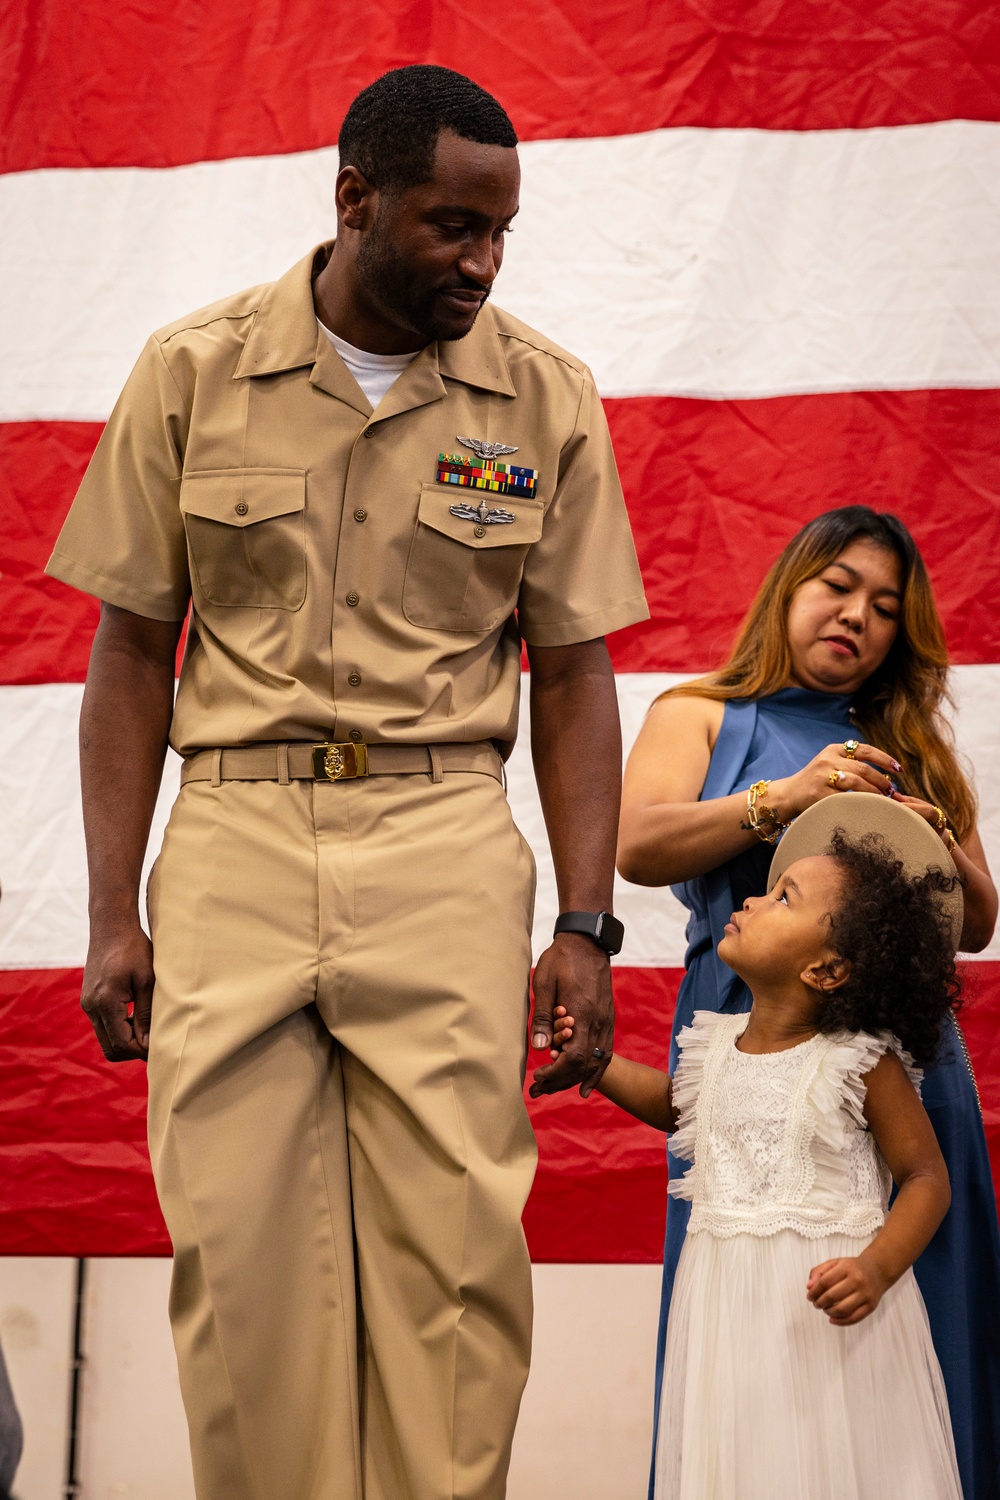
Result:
x=896 y=766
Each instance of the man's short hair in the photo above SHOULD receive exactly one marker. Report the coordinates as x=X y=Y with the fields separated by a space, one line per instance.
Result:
x=390 y=131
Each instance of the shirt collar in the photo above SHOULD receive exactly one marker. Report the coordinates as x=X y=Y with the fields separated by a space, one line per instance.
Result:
x=285 y=336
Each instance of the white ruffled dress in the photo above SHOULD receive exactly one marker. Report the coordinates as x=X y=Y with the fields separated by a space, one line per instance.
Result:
x=763 y=1398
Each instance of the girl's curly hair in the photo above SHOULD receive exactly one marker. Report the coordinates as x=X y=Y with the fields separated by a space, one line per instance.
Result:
x=894 y=933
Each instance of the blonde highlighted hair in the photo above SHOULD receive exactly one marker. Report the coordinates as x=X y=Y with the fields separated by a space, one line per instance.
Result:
x=900 y=707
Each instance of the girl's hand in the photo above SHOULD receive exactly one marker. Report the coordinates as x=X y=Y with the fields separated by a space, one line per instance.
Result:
x=847 y=1290
x=932 y=815
x=562 y=1029
x=868 y=770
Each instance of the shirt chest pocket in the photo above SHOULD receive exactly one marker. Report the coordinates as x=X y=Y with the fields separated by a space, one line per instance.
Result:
x=246 y=536
x=464 y=570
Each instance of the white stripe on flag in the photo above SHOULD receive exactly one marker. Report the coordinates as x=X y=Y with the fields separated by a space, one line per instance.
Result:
x=43 y=867
x=681 y=262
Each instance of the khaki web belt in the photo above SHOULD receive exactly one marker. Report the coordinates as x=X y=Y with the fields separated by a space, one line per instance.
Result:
x=343 y=761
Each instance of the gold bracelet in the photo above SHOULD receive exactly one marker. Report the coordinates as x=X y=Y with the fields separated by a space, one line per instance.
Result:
x=763 y=819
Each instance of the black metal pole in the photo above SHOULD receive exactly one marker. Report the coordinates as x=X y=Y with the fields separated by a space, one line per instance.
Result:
x=71 y=1489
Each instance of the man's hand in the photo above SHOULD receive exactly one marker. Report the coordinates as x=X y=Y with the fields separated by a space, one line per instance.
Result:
x=575 y=976
x=847 y=1289
x=118 y=992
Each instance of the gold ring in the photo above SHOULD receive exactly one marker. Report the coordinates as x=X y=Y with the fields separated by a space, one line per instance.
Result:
x=834 y=779
x=952 y=841
x=851 y=748
x=942 y=821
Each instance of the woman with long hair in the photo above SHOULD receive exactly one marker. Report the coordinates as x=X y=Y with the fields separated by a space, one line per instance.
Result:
x=837 y=682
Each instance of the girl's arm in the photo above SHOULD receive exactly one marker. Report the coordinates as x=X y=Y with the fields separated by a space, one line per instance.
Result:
x=850 y=1288
x=642 y=1091
x=666 y=834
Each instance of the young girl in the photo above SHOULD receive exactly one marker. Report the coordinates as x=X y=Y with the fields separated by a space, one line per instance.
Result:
x=799 y=1363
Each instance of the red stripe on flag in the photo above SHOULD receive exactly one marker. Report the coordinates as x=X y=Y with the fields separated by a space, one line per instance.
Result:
x=90 y=84
x=76 y=1172
x=73 y=1158
x=714 y=489
x=601 y=1185
x=45 y=628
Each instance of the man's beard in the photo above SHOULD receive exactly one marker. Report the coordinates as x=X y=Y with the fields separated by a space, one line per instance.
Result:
x=396 y=290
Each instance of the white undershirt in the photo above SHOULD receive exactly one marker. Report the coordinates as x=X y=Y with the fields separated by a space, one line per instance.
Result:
x=375 y=373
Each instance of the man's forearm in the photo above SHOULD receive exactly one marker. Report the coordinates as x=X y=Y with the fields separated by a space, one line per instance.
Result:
x=576 y=748
x=577 y=754
x=124 y=723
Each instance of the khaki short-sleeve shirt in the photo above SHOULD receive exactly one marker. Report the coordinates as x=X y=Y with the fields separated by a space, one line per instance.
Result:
x=334 y=592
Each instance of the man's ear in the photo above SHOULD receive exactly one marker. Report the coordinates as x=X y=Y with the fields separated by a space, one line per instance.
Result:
x=357 y=199
x=826 y=975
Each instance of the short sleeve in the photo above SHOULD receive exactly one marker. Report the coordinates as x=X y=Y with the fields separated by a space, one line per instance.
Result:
x=581 y=579
x=836 y=1095
x=123 y=539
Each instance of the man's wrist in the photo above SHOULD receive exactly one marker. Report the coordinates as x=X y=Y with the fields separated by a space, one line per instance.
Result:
x=601 y=928
x=112 y=913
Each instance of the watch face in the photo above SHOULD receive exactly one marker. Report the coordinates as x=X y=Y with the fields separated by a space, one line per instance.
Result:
x=611 y=933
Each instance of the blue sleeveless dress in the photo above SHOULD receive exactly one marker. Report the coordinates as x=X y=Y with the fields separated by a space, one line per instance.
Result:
x=959 y=1272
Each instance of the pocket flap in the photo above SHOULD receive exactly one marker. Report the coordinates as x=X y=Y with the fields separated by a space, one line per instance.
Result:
x=240 y=497
x=438 y=503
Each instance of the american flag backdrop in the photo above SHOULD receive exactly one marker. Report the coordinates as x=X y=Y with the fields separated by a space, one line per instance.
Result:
x=771 y=228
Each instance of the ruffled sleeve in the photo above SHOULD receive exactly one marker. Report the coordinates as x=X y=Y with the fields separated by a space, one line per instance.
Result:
x=836 y=1096
x=695 y=1043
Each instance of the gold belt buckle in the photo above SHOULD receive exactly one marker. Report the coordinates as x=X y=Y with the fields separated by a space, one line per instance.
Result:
x=339 y=762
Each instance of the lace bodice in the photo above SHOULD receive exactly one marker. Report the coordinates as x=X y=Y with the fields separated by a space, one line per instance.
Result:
x=778 y=1141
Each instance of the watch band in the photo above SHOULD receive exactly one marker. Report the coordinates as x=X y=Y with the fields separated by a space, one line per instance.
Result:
x=600 y=926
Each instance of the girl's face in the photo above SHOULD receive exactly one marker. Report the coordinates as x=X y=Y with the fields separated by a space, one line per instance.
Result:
x=779 y=938
x=842 y=623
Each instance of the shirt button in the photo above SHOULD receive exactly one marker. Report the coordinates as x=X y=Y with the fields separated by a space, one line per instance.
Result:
x=369 y=432
x=355 y=735
x=242 y=508
x=361 y=515
x=355 y=679
x=353 y=599
x=479 y=531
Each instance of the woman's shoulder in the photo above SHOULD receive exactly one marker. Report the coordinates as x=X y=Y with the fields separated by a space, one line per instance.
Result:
x=686 y=714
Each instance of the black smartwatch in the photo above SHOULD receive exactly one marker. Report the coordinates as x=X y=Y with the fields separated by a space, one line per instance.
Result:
x=600 y=926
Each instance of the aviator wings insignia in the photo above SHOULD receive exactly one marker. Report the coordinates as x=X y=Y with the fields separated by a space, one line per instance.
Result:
x=482 y=449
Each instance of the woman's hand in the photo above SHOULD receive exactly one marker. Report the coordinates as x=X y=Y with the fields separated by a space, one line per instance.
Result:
x=868 y=770
x=933 y=815
x=978 y=891
x=847 y=1290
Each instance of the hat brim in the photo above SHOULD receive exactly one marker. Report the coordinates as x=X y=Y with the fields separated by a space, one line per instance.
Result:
x=910 y=837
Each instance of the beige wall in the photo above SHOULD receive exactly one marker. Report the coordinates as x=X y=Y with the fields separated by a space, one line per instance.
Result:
x=585 y=1421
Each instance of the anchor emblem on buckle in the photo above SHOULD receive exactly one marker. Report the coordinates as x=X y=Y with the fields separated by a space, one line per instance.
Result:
x=339 y=762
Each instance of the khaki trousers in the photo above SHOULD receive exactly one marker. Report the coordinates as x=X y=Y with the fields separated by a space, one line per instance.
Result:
x=338 y=1133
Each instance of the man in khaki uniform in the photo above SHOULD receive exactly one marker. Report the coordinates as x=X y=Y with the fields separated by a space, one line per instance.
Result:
x=341 y=911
